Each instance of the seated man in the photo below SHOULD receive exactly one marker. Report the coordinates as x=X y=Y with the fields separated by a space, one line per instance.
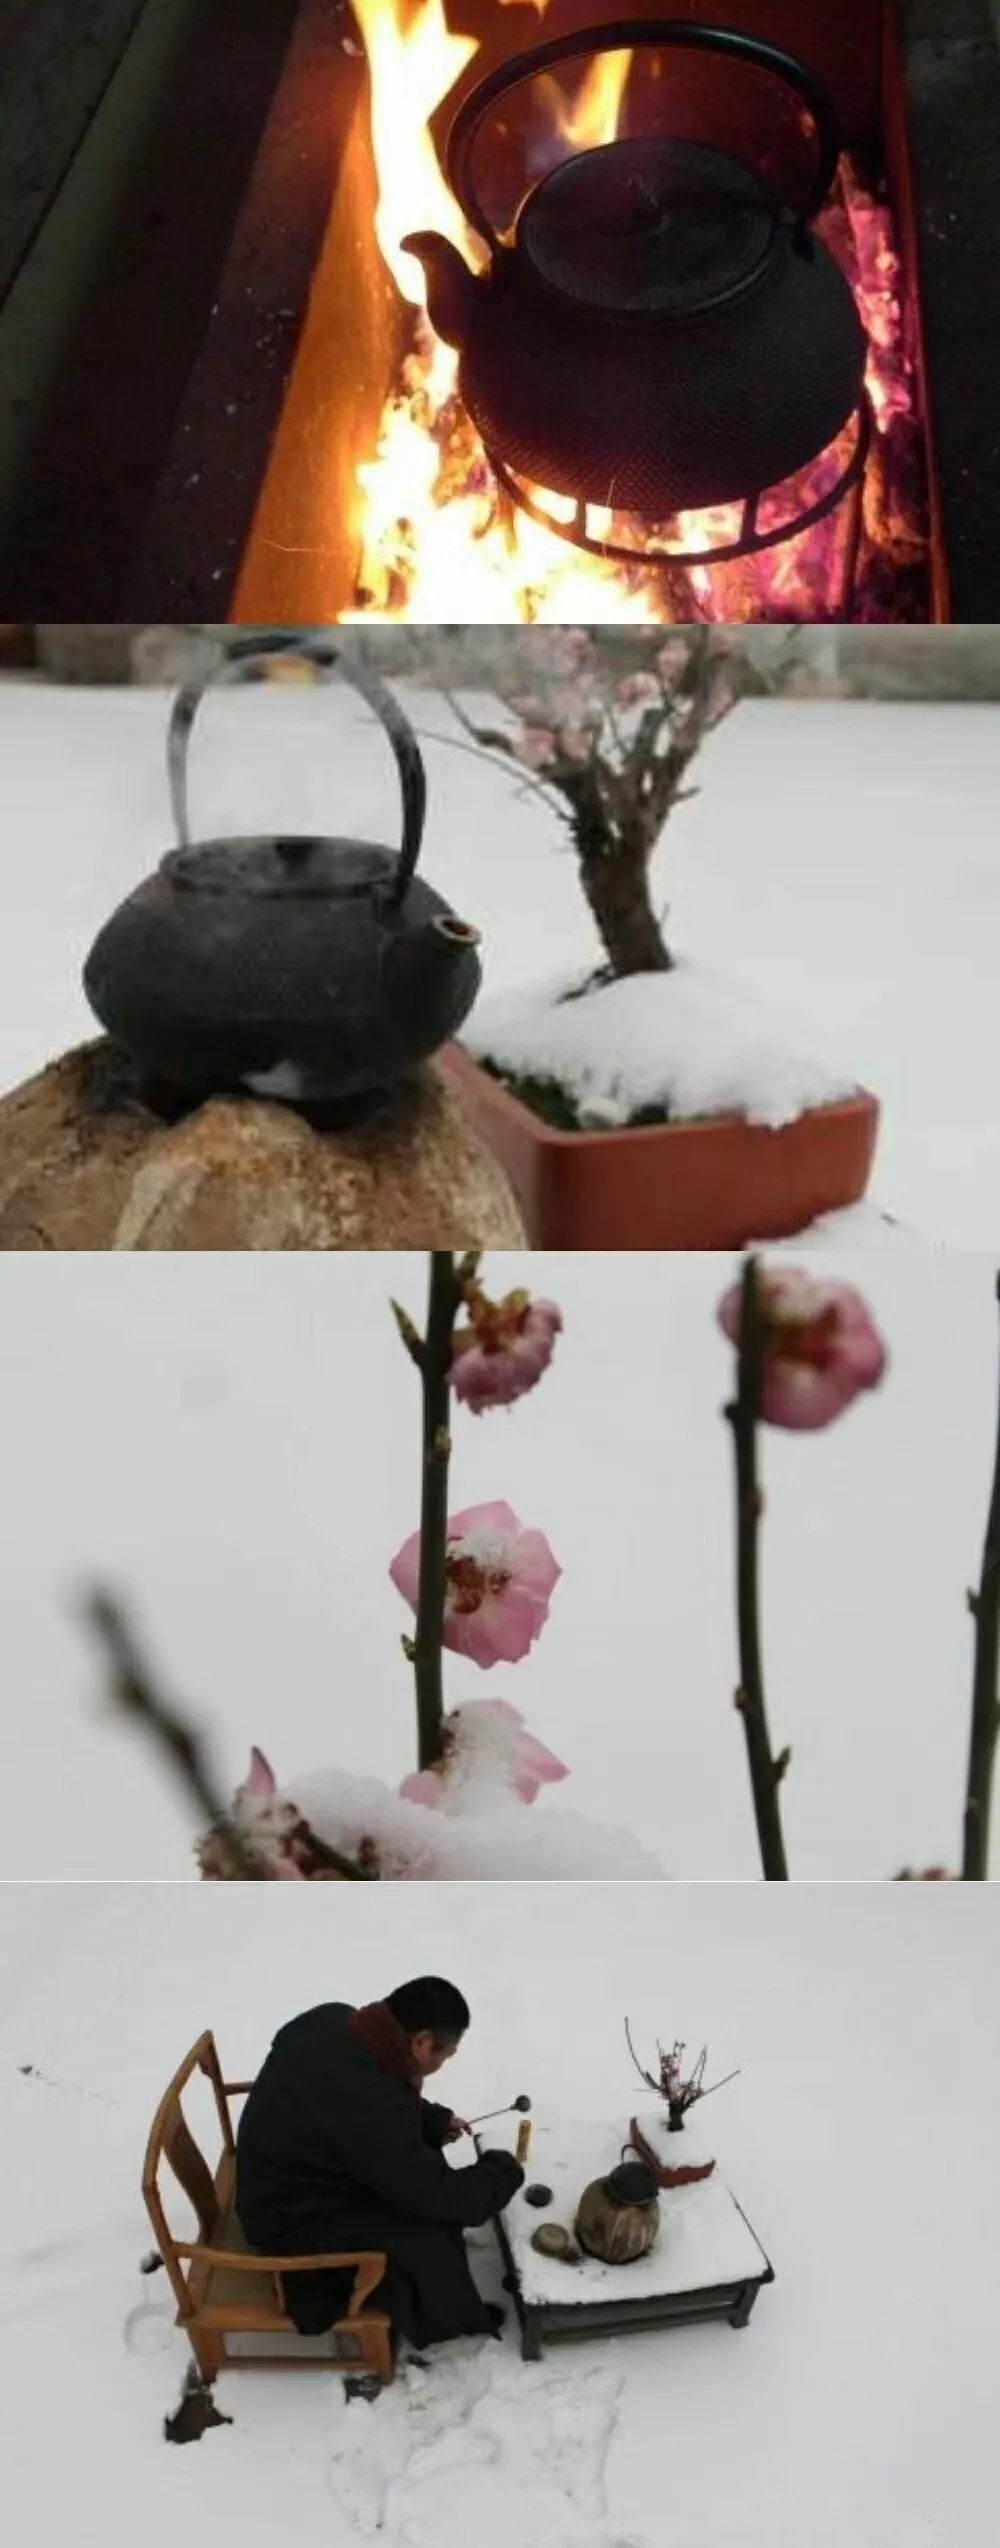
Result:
x=338 y=2148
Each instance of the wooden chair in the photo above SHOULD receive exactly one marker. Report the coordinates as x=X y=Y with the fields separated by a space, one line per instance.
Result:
x=221 y=2287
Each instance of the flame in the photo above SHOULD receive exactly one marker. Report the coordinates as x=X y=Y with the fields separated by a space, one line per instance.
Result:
x=592 y=119
x=414 y=60
x=423 y=549
x=436 y=536
x=420 y=551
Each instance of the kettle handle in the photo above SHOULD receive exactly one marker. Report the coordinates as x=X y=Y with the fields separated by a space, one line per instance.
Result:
x=623 y=38
x=247 y=660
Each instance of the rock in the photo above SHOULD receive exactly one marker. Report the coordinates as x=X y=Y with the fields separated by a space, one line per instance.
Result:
x=86 y=1163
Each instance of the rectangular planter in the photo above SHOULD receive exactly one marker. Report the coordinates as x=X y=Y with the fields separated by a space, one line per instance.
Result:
x=717 y=1183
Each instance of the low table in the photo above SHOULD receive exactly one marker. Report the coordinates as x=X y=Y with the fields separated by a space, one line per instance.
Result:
x=707 y=2262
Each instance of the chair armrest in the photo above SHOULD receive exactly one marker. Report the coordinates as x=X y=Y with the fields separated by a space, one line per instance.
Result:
x=371 y=2266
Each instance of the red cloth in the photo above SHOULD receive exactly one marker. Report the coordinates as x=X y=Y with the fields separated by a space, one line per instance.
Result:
x=379 y=2033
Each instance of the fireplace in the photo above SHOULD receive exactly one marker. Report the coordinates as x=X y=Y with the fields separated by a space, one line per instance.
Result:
x=306 y=457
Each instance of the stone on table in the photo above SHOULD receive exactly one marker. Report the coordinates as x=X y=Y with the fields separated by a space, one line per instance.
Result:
x=86 y=1163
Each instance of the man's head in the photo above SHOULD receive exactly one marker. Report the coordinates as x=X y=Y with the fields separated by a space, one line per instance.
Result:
x=434 y=2016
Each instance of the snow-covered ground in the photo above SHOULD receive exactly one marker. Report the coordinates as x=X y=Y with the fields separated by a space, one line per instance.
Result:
x=840 y=864
x=859 y=2404
x=232 y=1442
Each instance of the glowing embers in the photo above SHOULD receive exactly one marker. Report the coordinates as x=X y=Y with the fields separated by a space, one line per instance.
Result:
x=728 y=533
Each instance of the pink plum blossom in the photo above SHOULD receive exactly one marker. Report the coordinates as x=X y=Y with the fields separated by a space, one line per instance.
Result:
x=263 y=1820
x=500 y=1580
x=283 y=1842
x=505 y=1348
x=535 y=746
x=821 y=1347
x=488 y=1735
x=480 y=1829
x=569 y=703
x=639 y=690
x=424 y=1786
x=570 y=650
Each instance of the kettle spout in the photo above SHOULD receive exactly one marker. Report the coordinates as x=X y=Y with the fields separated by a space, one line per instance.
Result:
x=451 y=969
x=431 y=976
x=452 y=289
x=453 y=938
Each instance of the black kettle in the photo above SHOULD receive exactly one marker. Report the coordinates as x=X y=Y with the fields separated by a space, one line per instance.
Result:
x=315 y=971
x=657 y=330
x=618 y=2216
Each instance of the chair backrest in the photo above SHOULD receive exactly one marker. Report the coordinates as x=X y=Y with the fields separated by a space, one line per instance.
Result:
x=171 y=2139
x=190 y=2167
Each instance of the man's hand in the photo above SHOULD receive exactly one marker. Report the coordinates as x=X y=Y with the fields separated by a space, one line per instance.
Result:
x=457 y=2128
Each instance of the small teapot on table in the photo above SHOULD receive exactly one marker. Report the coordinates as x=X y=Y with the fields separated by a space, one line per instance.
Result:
x=317 y=971
x=618 y=2216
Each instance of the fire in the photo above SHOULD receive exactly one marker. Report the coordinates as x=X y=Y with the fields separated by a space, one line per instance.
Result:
x=593 y=116
x=437 y=538
x=414 y=60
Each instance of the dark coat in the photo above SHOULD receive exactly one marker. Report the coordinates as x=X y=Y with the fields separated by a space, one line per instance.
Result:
x=333 y=2151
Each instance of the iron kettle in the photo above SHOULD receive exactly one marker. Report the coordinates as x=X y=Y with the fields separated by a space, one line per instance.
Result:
x=657 y=330
x=618 y=2216
x=312 y=970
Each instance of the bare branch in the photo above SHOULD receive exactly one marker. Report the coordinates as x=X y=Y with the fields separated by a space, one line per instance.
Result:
x=134 y=1689
x=508 y=762
x=643 y=2074
x=718 y=2083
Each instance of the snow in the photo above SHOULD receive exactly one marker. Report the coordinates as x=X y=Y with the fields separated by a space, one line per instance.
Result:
x=859 y=2404
x=690 y=1041
x=540 y=2433
x=501 y=1840
x=694 y=2147
x=703 y=2238
x=233 y=1444
x=838 y=867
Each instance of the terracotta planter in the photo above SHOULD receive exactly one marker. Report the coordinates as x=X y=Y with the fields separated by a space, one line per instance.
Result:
x=717 y=1183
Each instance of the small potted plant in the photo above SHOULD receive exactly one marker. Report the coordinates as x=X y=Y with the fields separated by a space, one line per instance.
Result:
x=651 y=1103
x=678 y=2092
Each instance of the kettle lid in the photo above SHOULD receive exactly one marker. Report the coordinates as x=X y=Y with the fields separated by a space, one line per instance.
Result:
x=649 y=226
x=268 y=869
x=631 y=2182
x=817 y=115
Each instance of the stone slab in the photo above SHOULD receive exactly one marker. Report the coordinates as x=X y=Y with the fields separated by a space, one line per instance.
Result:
x=86 y=1164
